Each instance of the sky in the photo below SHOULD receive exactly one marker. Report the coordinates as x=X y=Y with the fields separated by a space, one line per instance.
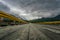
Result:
x=31 y=9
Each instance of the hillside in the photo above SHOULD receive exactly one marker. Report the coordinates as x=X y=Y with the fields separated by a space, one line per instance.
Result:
x=57 y=18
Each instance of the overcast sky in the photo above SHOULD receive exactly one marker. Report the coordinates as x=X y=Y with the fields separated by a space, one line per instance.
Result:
x=31 y=9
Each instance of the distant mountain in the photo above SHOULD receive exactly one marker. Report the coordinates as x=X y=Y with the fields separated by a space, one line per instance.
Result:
x=57 y=18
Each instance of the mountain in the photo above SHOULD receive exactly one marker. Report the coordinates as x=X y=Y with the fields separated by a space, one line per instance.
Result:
x=56 y=18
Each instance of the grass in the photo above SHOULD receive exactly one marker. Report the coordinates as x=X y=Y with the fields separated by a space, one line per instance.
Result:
x=54 y=22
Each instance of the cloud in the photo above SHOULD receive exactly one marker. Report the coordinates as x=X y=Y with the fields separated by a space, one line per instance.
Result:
x=36 y=8
x=4 y=7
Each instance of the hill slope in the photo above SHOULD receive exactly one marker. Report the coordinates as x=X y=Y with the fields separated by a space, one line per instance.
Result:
x=57 y=18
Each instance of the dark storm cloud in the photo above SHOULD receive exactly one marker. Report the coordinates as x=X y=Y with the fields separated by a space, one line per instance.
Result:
x=36 y=4
x=40 y=8
x=4 y=7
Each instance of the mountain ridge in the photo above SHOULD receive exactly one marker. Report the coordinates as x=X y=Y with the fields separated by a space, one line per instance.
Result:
x=56 y=18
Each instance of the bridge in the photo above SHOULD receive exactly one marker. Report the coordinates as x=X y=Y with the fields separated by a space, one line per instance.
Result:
x=9 y=16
